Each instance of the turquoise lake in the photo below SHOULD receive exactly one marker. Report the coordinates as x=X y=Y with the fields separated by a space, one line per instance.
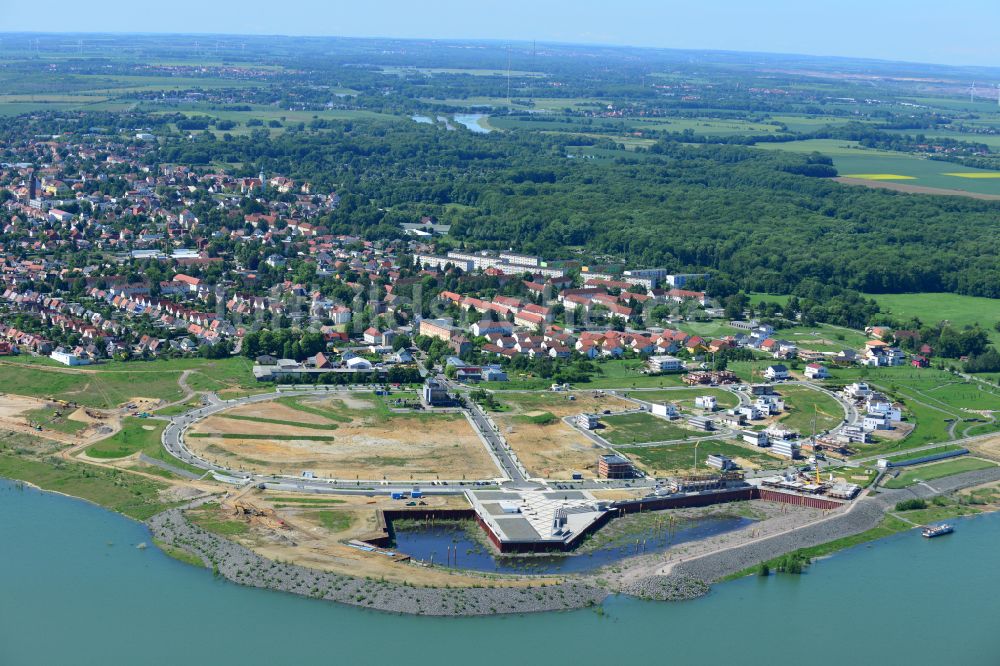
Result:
x=75 y=590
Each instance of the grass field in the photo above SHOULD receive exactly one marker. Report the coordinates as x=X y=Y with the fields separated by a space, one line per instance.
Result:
x=934 y=400
x=685 y=397
x=137 y=436
x=803 y=404
x=335 y=521
x=822 y=337
x=114 y=383
x=937 y=470
x=613 y=374
x=641 y=427
x=931 y=308
x=132 y=495
x=680 y=457
x=210 y=519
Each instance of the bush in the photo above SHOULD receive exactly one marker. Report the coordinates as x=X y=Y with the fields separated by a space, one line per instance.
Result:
x=793 y=563
x=911 y=505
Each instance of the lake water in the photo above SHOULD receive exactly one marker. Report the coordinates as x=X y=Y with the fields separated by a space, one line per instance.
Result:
x=471 y=120
x=431 y=543
x=75 y=590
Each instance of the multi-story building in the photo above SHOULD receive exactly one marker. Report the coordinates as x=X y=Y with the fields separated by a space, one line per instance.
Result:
x=614 y=466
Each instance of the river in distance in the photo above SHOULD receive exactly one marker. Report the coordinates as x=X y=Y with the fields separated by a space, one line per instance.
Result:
x=75 y=589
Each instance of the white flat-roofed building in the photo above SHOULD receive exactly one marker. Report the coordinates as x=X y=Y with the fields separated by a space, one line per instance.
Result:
x=786 y=447
x=520 y=259
x=708 y=402
x=667 y=410
x=665 y=364
x=438 y=262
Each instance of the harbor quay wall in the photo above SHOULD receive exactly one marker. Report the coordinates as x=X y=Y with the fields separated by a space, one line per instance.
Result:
x=384 y=535
x=798 y=500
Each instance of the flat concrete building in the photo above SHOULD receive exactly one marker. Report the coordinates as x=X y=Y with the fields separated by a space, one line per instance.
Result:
x=518 y=521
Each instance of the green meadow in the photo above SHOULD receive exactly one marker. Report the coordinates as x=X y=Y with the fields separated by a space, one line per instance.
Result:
x=931 y=308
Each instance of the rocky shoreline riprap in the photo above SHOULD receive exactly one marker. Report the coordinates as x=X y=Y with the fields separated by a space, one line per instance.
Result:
x=687 y=580
x=241 y=565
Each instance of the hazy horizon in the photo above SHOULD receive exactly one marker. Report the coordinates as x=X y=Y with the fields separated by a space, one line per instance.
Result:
x=892 y=30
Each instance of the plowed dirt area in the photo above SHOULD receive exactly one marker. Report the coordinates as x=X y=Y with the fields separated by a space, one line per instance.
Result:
x=362 y=439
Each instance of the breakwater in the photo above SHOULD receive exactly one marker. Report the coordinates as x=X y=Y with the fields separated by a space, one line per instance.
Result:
x=241 y=565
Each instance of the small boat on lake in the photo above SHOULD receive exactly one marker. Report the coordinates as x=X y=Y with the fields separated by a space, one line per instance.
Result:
x=932 y=531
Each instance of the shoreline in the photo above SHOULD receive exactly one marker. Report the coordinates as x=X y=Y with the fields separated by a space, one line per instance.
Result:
x=654 y=577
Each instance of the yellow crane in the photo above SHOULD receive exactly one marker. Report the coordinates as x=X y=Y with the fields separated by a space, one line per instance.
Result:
x=815 y=450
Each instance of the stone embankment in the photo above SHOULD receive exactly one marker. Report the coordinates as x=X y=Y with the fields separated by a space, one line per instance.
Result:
x=686 y=579
x=866 y=514
x=666 y=588
x=241 y=565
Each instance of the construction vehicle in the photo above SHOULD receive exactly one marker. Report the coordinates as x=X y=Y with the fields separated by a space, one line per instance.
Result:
x=254 y=514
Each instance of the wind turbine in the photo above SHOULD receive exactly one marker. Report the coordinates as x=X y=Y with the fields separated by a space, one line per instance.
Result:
x=972 y=92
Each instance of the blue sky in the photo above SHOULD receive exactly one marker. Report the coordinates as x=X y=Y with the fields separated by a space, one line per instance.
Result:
x=957 y=32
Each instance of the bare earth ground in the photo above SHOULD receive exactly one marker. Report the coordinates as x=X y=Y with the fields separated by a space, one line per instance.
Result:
x=400 y=446
x=279 y=412
x=306 y=542
x=555 y=450
x=16 y=405
x=914 y=189
x=13 y=417
x=988 y=447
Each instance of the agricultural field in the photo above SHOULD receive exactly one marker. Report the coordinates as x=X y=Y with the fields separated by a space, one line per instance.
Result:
x=679 y=458
x=347 y=436
x=639 y=427
x=854 y=161
x=611 y=127
x=547 y=446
